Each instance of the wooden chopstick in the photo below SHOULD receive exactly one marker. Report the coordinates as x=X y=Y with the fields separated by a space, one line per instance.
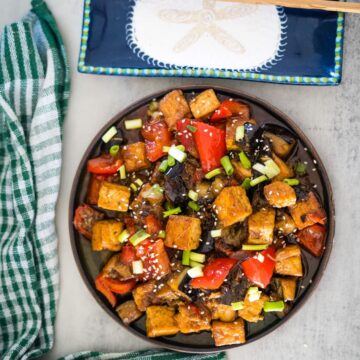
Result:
x=327 y=5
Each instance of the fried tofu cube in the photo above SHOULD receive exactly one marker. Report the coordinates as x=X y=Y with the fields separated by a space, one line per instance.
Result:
x=105 y=235
x=285 y=224
x=160 y=321
x=288 y=261
x=204 y=104
x=221 y=312
x=232 y=205
x=251 y=311
x=175 y=280
x=308 y=212
x=143 y=295
x=225 y=333
x=166 y=295
x=240 y=172
x=231 y=126
x=281 y=147
x=192 y=319
x=183 y=232
x=134 y=156
x=175 y=107
x=114 y=197
x=288 y=287
x=261 y=227
x=279 y=194
x=285 y=170
x=128 y=312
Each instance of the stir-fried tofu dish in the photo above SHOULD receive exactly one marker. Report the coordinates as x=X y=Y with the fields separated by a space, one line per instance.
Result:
x=205 y=217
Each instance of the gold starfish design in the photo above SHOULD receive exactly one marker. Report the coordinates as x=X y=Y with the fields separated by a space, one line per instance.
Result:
x=205 y=21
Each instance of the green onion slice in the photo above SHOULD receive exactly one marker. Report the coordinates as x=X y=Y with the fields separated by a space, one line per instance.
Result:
x=133 y=124
x=271 y=306
x=181 y=147
x=122 y=171
x=170 y=161
x=137 y=267
x=124 y=235
x=194 y=256
x=162 y=234
x=254 y=247
x=139 y=182
x=226 y=163
x=240 y=133
x=186 y=257
x=300 y=168
x=193 y=195
x=239 y=305
x=212 y=173
x=153 y=105
x=166 y=149
x=196 y=264
x=133 y=187
x=245 y=161
x=172 y=212
x=191 y=128
x=114 y=150
x=177 y=154
x=291 y=182
x=258 y=180
x=163 y=166
x=138 y=237
x=109 y=134
x=195 y=272
x=193 y=205
x=215 y=233
x=246 y=184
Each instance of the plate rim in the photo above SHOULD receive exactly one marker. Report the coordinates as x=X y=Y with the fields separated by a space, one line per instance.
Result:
x=268 y=107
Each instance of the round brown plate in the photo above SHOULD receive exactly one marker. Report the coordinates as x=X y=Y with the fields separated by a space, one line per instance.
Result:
x=90 y=263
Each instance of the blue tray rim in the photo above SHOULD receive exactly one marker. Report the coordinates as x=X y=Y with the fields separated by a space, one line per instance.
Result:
x=212 y=73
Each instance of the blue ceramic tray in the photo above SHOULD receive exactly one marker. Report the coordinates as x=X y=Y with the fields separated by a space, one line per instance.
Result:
x=205 y=38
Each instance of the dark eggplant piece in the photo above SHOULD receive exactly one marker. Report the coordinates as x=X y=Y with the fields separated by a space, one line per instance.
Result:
x=185 y=287
x=258 y=200
x=250 y=131
x=118 y=140
x=175 y=170
x=235 y=235
x=233 y=293
x=176 y=191
x=230 y=251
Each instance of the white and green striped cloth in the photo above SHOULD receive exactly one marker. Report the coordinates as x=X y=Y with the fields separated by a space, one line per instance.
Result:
x=34 y=91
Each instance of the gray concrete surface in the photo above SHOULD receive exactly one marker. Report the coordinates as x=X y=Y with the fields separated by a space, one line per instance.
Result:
x=328 y=327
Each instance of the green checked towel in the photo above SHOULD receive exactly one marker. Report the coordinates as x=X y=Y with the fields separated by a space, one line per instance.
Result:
x=34 y=90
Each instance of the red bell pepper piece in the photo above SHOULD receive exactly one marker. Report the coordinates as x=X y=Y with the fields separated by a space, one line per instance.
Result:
x=221 y=113
x=215 y=273
x=259 y=269
x=228 y=108
x=313 y=238
x=153 y=225
x=119 y=287
x=186 y=136
x=127 y=254
x=156 y=135
x=104 y=289
x=210 y=143
x=105 y=164
x=84 y=219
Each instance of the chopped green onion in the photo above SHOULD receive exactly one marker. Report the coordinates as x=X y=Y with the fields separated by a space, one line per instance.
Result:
x=254 y=247
x=193 y=195
x=179 y=155
x=272 y=168
x=186 y=257
x=133 y=186
x=259 y=168
x=239 y=305
x=122 y=171
x=162 y=234
x=291 y=182
x=133 y=124
x=300 y=168
x=194 y=256
x=124 y=235
x=191 y=128
x=109 y=134
x=240 y=133
x=215 y=233
x=245 y=161
x=181 y=147
x=172 y=212
x=193 y=205
x=153 y=105
x=139 y=182
x=170 y=161
x=166 y=149
x=137 y=267
x=163 y=166
x=270 y=306
x=196 y=264
x=246 y=184
x=138 y=237
x=253 y=294
x=114 y=150
x=212 y=173
x=258 y=180
x=226 y=163
x=195 y=272
x=156 y=191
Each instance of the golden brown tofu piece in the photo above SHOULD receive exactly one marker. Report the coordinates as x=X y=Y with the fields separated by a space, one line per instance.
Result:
x=281 y=147
x=285 y=224
x=279 y=194
x=105 y=235
x=160 y=321
x=232 y=205
x=225 y=333
x=128 y=312
x=231 y=126
x=308 y=212
x=134 y=156
x=288 y=287
x=204 y=104
x=174 y=107
x=143 y=295
x=183 y=232
x=115 y=268
x=165 y=295
x=240 y=172
x=192 y=319
x=261 y=227
x=175 y=280
x=114 y=197
x=288 y=261
x=251 y=311
x=221 y=312
x=285 y=170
